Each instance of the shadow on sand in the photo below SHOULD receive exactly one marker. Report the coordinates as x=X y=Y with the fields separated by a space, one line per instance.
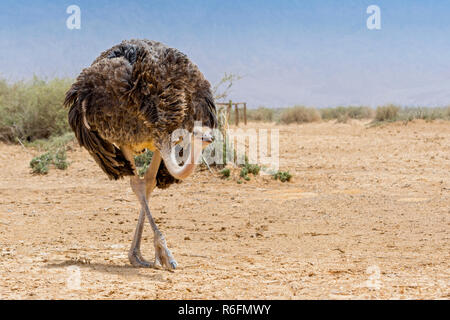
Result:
x=124 y=270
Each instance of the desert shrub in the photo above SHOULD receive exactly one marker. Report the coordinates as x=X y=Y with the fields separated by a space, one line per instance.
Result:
x=253 y=168
x=142 y=161
x=387 y=113
x=3 y=88
x=33 y=110
x=299 y=114
x=342 y=114
x=244 y=172
x=225 y=173
x=60 y=160
x=261 y=114
x=424 y=113
x=283 y=176
x=53 y=143
x=330 y=113
x=394 y=113
x=55 y=154
x=39 y=164
x=445 y=112
x=247 y=169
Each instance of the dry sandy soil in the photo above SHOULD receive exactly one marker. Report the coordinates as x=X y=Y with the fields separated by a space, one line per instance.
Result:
x=366 y=216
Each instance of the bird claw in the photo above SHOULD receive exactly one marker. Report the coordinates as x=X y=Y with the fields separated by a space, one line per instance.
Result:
x=163 y=256
x=165 y=259
x=136 y=260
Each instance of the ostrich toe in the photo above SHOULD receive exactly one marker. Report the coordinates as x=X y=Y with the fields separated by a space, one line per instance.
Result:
x=163 y=256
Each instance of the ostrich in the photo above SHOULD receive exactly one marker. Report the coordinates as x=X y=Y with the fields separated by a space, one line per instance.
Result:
x=136 y=96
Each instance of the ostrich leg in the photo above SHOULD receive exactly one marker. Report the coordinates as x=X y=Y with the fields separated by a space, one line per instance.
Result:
x=143 y=188
x=134 y=255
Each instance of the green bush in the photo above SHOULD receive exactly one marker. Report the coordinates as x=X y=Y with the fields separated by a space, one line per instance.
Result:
x=142 y=161
x=60 y=160
x=33 y=110
x=39 y=164
x=253 y=168
x=283 y=176
x=225 y=173
x=299 y=114
x=244 y=172
x=247 y=169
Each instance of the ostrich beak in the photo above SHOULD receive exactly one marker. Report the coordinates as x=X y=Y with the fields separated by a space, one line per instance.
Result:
x=207 y=138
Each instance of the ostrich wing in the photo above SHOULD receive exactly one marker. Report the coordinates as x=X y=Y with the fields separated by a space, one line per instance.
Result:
x=97 y=87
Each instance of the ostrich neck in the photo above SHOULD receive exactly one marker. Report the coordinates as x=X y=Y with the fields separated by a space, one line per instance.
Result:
x=180 y=172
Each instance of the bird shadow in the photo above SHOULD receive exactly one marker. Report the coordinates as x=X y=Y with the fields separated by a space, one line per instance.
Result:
x=123 y=270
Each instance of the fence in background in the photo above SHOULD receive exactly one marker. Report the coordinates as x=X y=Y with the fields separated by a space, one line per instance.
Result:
x=229 y=105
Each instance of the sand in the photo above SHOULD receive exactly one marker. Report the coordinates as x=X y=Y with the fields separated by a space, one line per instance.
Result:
x=366 y=216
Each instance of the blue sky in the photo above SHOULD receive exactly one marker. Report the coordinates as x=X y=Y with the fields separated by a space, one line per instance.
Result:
x=316 y=53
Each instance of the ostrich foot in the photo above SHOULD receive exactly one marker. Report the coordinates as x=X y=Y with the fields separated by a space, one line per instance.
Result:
x=163 y=256
x=136 y=260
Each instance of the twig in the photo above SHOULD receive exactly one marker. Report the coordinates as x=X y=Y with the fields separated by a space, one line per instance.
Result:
x=203 y=158
x=21 y=143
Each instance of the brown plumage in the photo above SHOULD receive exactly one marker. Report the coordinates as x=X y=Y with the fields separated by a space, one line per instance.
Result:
x=132 y=97
x=136 y=92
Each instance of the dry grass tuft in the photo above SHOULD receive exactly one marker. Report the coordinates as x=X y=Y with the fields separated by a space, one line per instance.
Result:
x=261 y=114
x=299 y=114
x=343 y=114
x=387 y=113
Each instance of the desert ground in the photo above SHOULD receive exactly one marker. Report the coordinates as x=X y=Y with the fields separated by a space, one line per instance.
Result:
x=366 y=216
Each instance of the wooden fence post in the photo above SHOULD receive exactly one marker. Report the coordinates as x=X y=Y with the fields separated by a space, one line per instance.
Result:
x=237 y=114
x=245 y=113
x=230 y=107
